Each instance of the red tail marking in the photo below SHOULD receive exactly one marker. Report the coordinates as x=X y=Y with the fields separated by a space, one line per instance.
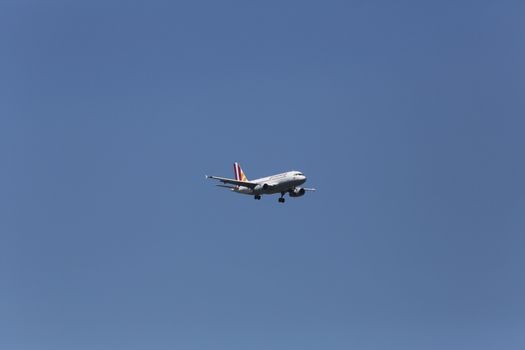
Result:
x=237 y=171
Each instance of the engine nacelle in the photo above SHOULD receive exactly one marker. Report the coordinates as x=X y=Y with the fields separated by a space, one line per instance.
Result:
x=297 y=192
x=260 y=188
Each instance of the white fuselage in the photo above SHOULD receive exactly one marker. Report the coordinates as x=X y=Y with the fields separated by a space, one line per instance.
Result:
x=275 y=184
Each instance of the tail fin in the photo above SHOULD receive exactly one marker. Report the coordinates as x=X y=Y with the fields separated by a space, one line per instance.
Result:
x=239 y=174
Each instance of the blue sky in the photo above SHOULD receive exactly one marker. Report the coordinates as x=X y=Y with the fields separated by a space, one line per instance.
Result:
x=408 y=117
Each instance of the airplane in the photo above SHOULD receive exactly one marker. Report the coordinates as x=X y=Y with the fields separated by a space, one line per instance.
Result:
x=283 y=183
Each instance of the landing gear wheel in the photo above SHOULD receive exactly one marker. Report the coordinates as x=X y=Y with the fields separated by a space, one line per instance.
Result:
x=281 y=200
x=257 y=197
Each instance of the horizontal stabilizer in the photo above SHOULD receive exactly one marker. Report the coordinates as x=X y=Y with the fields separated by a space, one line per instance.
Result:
x=224 y=186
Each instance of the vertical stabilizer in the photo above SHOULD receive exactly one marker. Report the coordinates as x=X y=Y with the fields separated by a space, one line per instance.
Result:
x=239 y=174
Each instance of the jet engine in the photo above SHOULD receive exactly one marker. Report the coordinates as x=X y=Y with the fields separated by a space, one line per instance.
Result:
x=260 y=188
x=297 y=192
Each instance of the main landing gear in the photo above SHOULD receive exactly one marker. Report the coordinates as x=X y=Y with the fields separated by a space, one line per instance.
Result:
x=281 y=200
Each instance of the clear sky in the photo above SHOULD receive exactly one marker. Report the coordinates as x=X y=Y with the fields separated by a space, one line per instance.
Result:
x=408 y=116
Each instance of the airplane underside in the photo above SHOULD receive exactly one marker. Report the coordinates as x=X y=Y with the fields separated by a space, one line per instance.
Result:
x=292 y=190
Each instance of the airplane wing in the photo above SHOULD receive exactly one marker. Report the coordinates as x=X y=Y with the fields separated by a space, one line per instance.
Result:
x=233 y=182
x=309 y=189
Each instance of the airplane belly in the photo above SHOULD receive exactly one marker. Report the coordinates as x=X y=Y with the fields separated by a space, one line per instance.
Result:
x=283 y=187
x=244 y=190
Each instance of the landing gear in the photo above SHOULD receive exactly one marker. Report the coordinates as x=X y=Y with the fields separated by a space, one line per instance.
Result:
x=281 y=200
x=257 y=197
